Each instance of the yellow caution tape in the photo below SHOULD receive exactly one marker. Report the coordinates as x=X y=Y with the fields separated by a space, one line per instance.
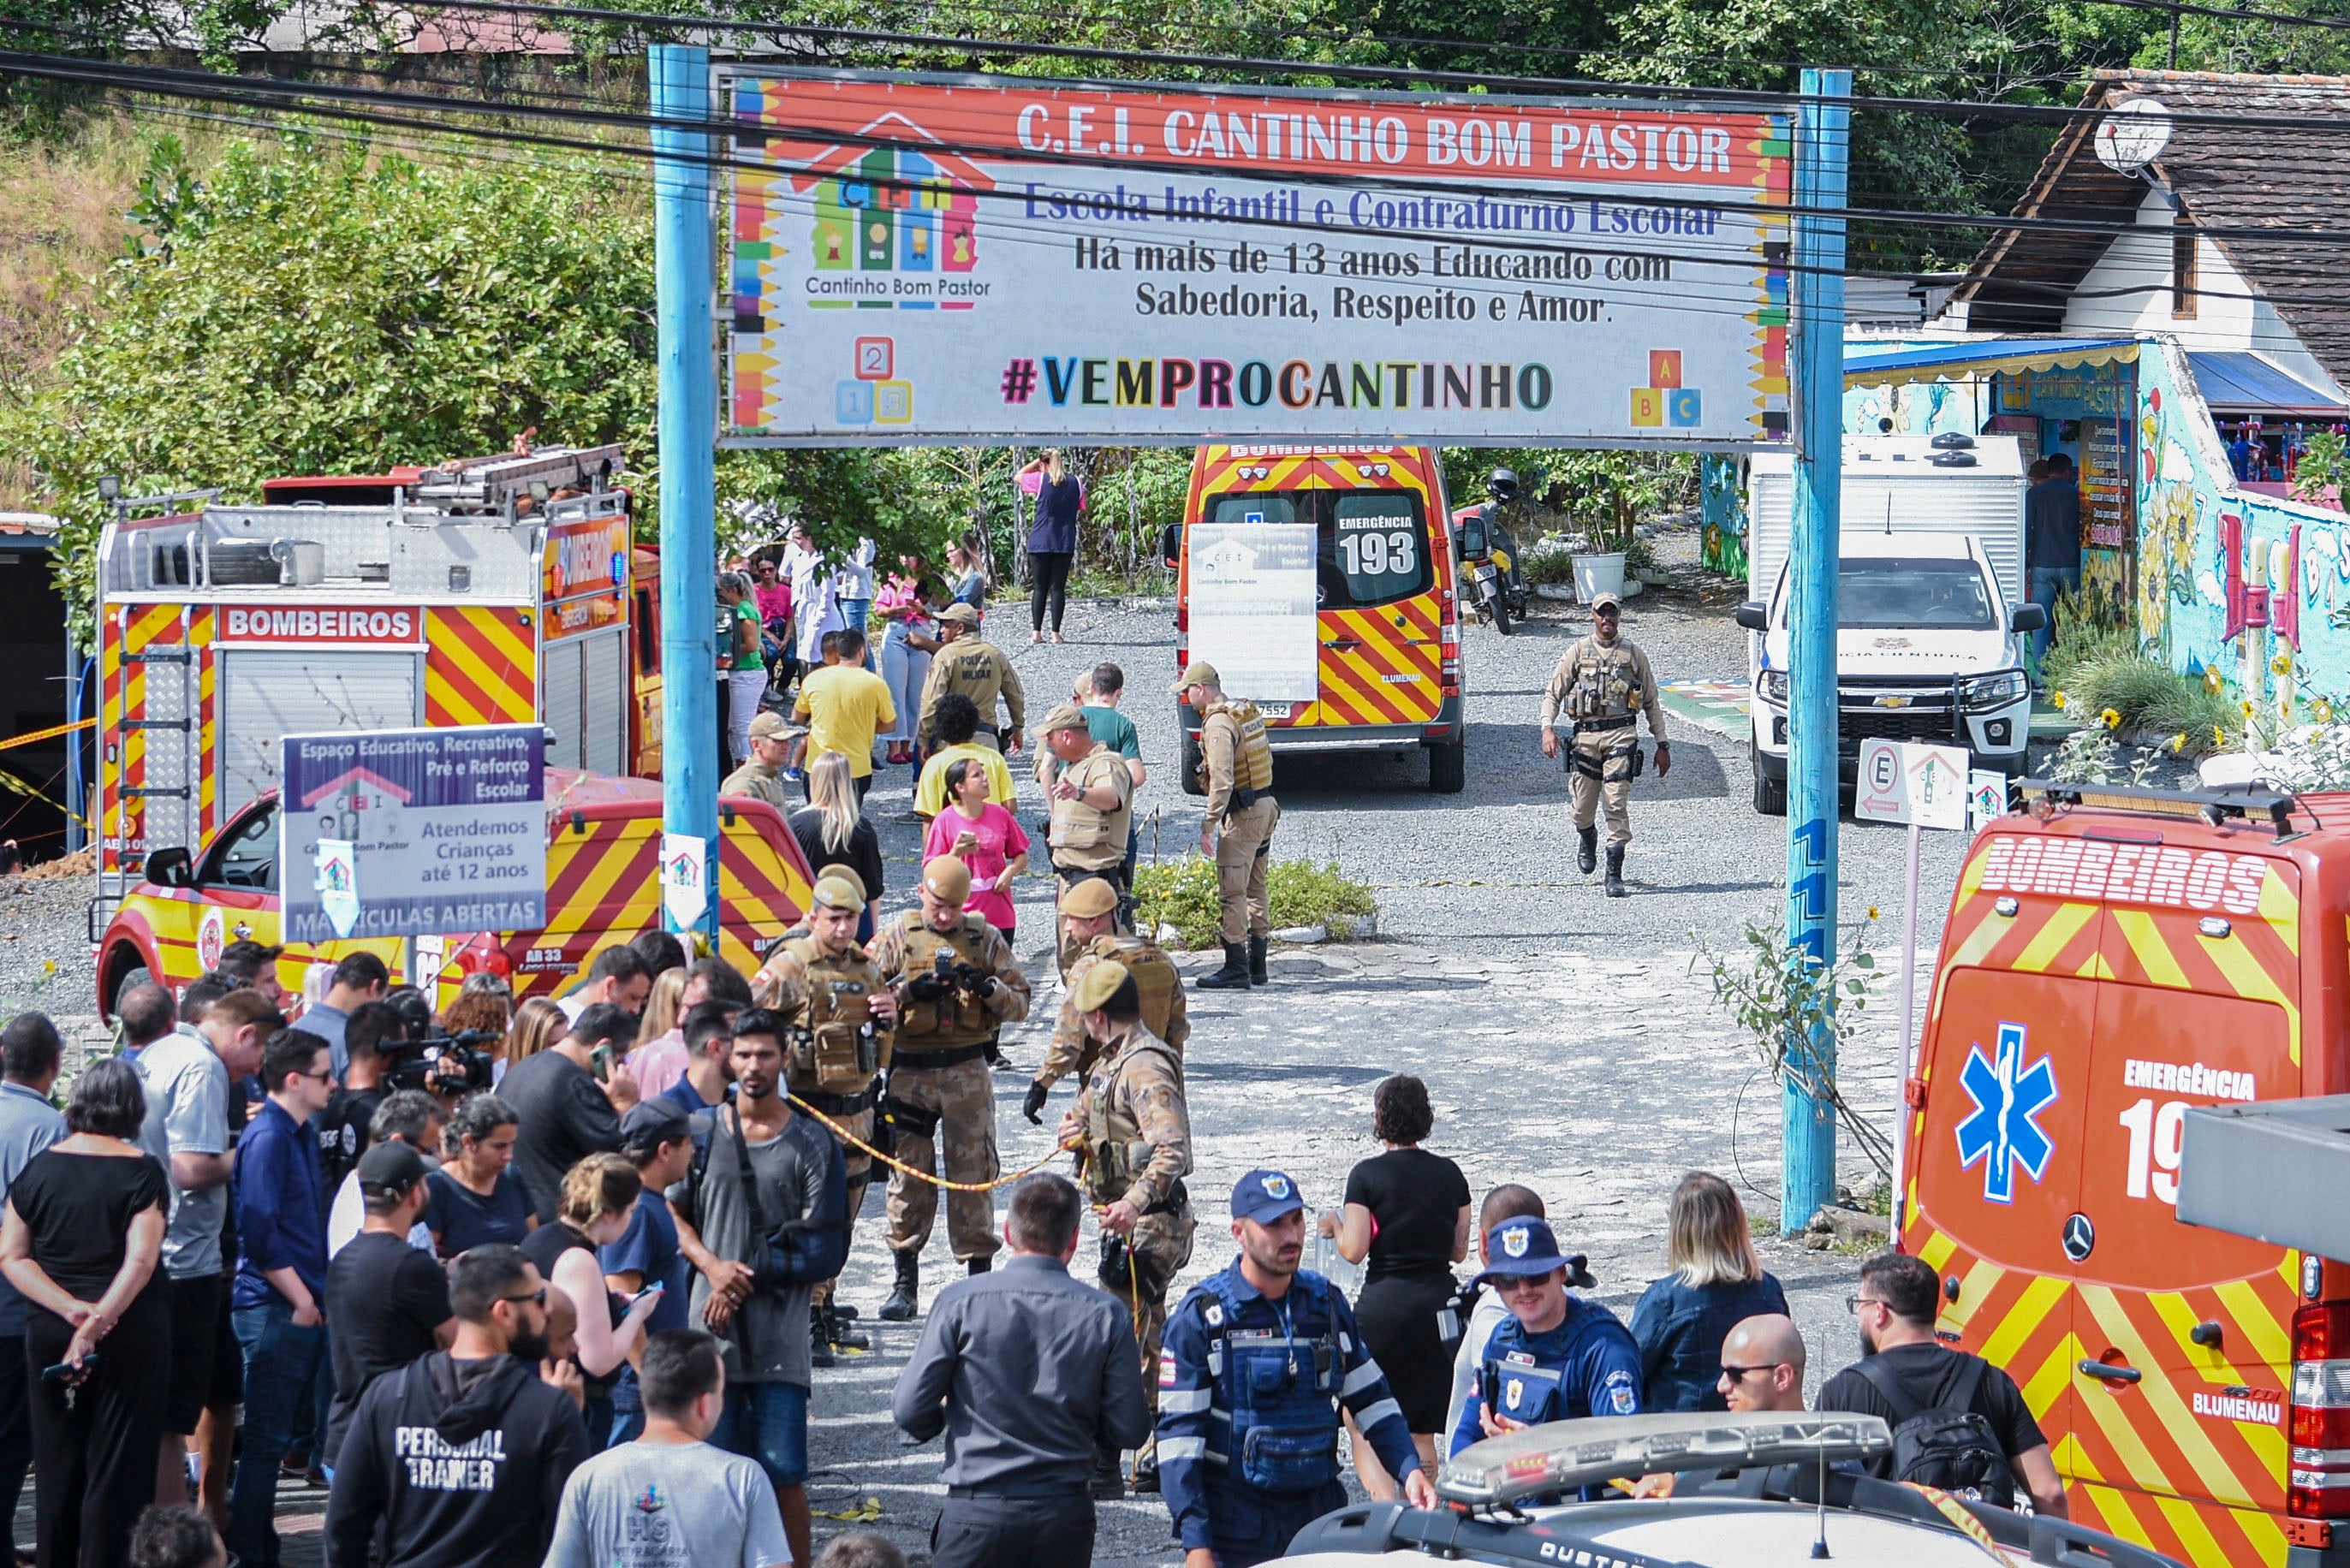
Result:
x=865 y=1513
x=1966 y=1523
x=51 y=733
x=844 y=1136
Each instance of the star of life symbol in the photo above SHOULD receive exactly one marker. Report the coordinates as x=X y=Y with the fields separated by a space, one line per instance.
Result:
x=2004 y=1130
x=1513 y=1240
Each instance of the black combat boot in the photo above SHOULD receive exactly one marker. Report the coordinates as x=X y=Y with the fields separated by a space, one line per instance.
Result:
x=819 y=1340
x=904 y=1295
x=1256 y=951
x=837 y=1331
x=1234 y=975
x=1586 y=850
x=1616 y=888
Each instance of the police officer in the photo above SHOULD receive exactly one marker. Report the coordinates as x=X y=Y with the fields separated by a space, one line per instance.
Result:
x=1093 y=806
x=1236 y=767
x=761 y=777
x=977 y=669
x=1604 y=685
x=1267 y=1348
x=839 y=1008
x=1137 y=1141
x=939 y=1079
x=1556 y=1357
x=1088 y=914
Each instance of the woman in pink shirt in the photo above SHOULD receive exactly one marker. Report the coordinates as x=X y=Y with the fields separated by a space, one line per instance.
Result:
x=986 y=838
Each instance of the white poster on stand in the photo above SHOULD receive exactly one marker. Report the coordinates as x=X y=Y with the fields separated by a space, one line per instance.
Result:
x=1253 y=609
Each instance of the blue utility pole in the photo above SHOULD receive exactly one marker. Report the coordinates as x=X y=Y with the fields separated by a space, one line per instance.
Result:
x=687 y=426
x=1822 y=139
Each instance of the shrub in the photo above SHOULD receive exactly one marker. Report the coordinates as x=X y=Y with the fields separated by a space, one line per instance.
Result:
x=1182 y=893
x=1547 y=560
x=2147 y=695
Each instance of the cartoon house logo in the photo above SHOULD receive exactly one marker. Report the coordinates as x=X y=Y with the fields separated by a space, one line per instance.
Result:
x=884 y=206
x=1227 y=560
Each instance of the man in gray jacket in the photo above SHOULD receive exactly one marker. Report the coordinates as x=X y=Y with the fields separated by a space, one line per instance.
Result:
x=1028 y=1373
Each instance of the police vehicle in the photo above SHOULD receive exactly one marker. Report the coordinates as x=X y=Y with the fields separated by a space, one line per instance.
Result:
x=1748 y=1490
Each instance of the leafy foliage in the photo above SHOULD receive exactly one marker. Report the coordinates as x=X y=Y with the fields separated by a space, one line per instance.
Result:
x=1791 y=1005
x=1182 y=893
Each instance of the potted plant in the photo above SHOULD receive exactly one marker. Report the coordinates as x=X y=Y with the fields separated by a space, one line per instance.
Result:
x=1611 y=491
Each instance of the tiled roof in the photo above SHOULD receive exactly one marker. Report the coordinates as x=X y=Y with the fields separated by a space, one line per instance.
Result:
x=2256 y=176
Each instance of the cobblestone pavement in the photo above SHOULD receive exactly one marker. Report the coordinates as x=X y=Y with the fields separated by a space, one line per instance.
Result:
x=1564 y=1038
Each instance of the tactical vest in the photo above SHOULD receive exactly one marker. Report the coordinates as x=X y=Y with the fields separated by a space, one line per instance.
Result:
x=1283 y=1391
x=833 y=1047
x=1116 y=1148
x=1252 y=753
x=1603 y=683
x=1155 y=977
x=956 y=1018
x=1086 y=835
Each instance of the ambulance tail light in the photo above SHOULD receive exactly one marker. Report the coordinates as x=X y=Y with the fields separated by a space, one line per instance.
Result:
x=2318 y=1482
x=1450 y=634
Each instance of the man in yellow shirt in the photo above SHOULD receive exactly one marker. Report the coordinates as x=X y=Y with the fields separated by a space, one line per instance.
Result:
x=957 y=720
x=845 y=705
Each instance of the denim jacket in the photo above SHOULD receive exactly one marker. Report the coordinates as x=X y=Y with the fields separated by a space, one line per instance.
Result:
x=1681 y=1328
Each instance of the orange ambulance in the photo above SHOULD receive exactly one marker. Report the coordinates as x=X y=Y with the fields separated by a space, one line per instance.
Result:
x=2112 y=958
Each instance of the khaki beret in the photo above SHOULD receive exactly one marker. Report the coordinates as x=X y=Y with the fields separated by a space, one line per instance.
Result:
x=1067 y=716
x=838 y=893
x=1098 y=985
x=849 y=874
x=1198 y=672
x=1089 y=899
x=948 y=877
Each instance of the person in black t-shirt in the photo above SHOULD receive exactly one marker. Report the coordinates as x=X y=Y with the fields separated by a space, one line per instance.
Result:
x=388 y=1301
x=564 y=1113
x=1895 y=1309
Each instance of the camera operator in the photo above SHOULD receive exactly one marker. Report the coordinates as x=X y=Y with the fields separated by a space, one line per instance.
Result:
x=770 y=1240
x=957 y=985
x=372 y=1029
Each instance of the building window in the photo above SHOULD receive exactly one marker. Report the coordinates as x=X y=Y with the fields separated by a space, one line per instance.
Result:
x=2182 y=272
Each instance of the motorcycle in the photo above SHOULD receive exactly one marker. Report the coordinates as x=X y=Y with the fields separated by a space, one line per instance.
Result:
x=1489 y=579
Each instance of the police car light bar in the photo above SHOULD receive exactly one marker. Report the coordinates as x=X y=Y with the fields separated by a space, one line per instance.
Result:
x=1559 y=1456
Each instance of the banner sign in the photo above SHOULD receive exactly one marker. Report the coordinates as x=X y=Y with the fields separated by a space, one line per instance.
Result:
x=940 y=260
x=401 y=833
x=1253 y=614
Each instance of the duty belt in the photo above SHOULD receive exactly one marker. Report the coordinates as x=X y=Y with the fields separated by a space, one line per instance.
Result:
x=923 y=1061
x=837 y=1104
x=1243 y=800
x=1177 y=1197
x=1617 y=723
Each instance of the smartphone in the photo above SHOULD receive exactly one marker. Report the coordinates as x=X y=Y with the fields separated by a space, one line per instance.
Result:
x=65 y=1369
x=656 y=1288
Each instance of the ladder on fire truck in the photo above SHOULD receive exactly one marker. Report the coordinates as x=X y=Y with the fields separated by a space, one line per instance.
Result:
x=167 y=725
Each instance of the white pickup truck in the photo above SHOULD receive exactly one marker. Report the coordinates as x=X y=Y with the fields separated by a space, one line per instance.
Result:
x=1931 y=613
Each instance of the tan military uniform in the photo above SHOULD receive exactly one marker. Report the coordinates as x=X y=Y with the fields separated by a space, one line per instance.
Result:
x=1604 y=688
x=1236 y=765
x=1086 y=838
x=757 y=780
x=831 y=1061
x=1138 y=1148
x=1073 y=1051
x=940 y=1072
x=980 y=671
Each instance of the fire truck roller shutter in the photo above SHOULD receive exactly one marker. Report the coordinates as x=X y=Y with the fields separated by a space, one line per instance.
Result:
x=561 y=668
x=604 y=721
x=266 y=694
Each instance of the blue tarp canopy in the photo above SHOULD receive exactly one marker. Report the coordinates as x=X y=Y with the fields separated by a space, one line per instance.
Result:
x=2239 y=383
x=1980 y=358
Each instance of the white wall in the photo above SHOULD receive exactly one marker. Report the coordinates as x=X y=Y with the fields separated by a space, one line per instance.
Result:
x=2128 y=292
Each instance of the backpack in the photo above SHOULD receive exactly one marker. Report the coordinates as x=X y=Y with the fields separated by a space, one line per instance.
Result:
x=1951 y=1445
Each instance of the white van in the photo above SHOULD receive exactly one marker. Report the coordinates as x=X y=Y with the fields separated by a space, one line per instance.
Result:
x=1931 y=610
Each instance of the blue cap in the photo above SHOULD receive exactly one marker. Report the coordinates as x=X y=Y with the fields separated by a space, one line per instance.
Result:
x=1264 y=1196
x=1521 y=1246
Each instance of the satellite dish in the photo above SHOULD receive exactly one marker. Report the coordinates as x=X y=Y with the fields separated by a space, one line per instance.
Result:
x=2132 y=135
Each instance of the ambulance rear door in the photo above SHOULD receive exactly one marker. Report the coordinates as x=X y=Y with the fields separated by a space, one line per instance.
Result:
x=2185 y=1418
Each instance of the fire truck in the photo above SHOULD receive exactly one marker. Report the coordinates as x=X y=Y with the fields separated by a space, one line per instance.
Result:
x=501 y=589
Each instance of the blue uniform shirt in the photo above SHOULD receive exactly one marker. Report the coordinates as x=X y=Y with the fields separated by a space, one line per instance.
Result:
x=1588 y=1365
x=1248 y=1421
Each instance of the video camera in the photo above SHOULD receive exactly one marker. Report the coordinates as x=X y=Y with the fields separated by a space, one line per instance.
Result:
x=440 y=1062
x=949 y=973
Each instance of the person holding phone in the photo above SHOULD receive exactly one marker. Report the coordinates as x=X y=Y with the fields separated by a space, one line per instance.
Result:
x=984 y=837
x=81 y=1239
x=599 y=1199
x=568 y=1099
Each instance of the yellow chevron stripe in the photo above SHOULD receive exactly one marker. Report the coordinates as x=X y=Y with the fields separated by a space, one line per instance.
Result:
x=2143 y=1471
x=2254 y=983
x=2097 y=968
x=2187 y=1522
x=2041 y=1297
x=2054 y=1377
x=2271 y=1341
x=2053 y=937
x=443 y=693
x=613 y=856
x=2153 y=955
x=513 y=643
x=2280 y=908
x=2163 y=1401
x=1978 y=1285
x=1937 y=1252
x=2180 y=1320
x=2118 y=1519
